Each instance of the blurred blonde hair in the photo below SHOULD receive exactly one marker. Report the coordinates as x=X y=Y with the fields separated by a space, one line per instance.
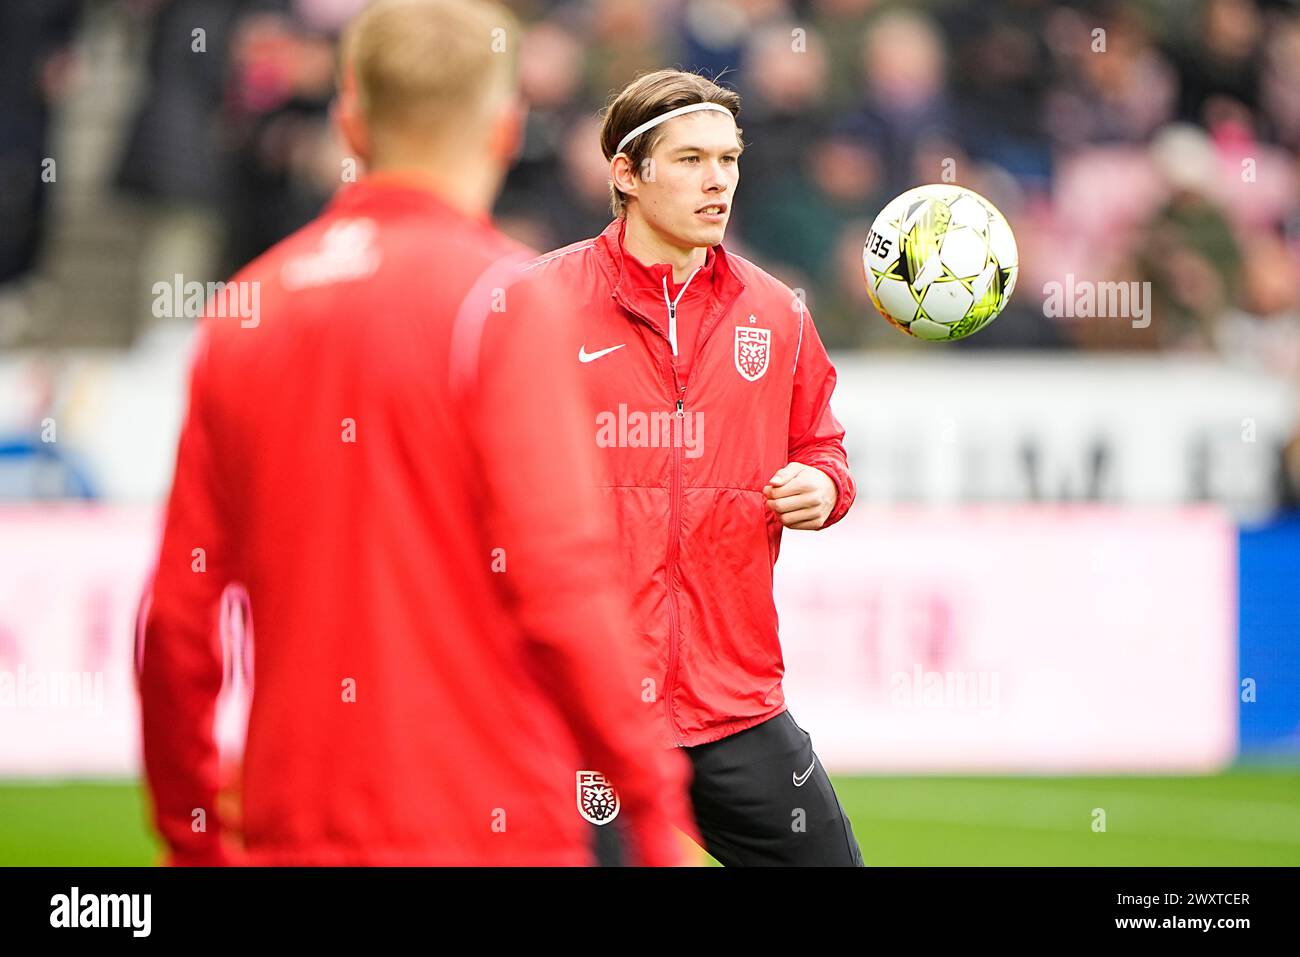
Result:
x=428 y=67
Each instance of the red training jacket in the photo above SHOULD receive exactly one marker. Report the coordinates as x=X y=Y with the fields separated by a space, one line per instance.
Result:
x=391 y=461
x=683 y=462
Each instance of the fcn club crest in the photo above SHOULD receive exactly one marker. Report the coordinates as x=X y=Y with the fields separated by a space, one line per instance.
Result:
x=753 y=347
x=597 y=799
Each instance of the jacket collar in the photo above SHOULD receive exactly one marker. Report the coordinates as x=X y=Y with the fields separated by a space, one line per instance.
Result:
x=613 y=257
x=647 y=283
x=394 y=191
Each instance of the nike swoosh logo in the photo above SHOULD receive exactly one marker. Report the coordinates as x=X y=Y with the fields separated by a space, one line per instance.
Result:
x=585 y=356
x=800 y=780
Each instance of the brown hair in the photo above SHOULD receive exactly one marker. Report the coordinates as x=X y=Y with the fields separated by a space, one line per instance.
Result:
x=429 y=65
x=642 y=100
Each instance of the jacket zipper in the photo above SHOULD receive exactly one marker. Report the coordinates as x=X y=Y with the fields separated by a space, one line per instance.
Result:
x=674 y=521
x=672 y=313
x=675 y=502
x=674 y=547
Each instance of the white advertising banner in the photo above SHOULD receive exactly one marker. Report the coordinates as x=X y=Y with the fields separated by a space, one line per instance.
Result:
x=939 y=426
x=1014 y=638
x=71 y=578
x=957 y=427
x=993 y=638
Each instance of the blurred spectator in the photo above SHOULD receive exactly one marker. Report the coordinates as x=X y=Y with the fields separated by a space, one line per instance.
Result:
x=1064 y=114
x=174 y=162
x=552 y=66
x=1280 y=85
x=783 y=105
x=624 y=38
x=713 y=35
x=841 y=23
x=1112 y=84
x=173 y=150
x=574 y=204
x=1262 y=331
x=287 y=160
x=999 y=63
x=1218 y=61
x=905 y=102
x=797 y=184
x=35 y=61
x=1187 y=250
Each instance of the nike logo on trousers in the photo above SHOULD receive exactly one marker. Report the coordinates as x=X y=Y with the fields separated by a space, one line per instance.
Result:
x=800 y=779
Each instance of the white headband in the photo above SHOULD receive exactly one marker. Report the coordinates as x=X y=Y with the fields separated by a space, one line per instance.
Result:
x=668 y=116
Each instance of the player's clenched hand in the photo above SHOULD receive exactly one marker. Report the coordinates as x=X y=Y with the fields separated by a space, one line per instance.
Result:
x=801 y=496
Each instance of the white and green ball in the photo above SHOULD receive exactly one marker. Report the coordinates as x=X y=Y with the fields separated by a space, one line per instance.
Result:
x=940 y=262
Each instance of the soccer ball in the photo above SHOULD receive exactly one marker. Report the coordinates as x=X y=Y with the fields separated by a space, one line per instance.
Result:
x=940 y=262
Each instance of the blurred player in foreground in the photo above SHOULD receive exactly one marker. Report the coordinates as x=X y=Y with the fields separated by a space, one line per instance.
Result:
x=383 y=457
x=713 y=395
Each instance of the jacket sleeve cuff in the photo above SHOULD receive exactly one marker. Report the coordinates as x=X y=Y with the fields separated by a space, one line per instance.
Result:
x=845 y=490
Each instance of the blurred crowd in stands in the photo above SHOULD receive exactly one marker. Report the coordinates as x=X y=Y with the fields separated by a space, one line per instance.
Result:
x=1136 y=140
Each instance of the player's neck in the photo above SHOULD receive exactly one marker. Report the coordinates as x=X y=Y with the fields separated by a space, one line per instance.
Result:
x=650 y=248
x=470 y=189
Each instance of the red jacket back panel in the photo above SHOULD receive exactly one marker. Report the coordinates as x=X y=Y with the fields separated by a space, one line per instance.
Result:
x=389 y=462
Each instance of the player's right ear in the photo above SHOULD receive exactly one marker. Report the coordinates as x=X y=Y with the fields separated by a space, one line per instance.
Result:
x=348 y=119
x=506 y=137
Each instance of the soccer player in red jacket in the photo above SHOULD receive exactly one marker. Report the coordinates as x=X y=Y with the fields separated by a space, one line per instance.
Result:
x=382 y=456
x=712 y=413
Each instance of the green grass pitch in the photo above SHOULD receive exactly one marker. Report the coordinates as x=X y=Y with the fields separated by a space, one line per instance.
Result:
x=1247 y=816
